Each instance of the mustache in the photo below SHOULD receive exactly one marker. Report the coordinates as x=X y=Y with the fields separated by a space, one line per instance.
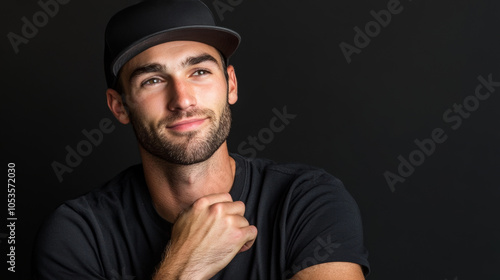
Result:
x=179 y=115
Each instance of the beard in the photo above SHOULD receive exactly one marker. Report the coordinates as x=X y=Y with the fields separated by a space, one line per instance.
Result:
x=196 y=147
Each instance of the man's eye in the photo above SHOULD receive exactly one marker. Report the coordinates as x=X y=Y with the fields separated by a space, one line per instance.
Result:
x=152 y=81
x=200 y=72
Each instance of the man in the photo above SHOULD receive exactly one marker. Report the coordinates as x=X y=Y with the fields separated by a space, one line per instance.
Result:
x=192 y=210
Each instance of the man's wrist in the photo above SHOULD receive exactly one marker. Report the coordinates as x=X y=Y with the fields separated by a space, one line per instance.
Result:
x=172 y=268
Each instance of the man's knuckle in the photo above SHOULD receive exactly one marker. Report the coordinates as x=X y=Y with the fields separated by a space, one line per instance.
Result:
x=238 y=234
x=228 y=196
x=240 y=204
x=217 y=209
x=201 y=203
x=229 y=220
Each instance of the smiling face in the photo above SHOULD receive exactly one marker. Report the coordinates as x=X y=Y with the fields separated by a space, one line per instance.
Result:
x=177 y=99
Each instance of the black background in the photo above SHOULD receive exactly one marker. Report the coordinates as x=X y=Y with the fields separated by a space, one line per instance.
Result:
x=352 y=119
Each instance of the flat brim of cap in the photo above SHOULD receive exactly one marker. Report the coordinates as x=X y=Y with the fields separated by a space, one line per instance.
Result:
x=223 y=39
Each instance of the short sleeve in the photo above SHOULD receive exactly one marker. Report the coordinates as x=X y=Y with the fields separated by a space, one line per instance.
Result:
x=65 y=248
x=323 y=225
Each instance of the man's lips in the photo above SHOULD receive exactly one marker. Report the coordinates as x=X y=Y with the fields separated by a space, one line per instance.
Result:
x=187 y=124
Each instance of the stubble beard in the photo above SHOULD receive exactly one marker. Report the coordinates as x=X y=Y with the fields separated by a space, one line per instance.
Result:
x=196 y=146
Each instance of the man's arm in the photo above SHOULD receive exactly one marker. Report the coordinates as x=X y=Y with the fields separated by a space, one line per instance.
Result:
x=65 y=249
x=324 y=228
x=331 y=271
x=205 y=238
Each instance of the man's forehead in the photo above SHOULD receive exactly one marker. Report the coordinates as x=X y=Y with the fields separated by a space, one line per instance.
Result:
x=173 y=53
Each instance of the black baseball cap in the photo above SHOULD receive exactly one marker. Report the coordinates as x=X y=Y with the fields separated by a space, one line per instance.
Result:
x=152 y=22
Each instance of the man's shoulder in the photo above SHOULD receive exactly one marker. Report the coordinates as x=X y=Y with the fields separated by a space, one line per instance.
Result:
x=114 y=194
x=297 y=172
x=88 y=232
x=302 y=211
x=107 y=206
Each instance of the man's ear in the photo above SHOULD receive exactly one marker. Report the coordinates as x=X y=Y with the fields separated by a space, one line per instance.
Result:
x=232 y=85
x=117 y=106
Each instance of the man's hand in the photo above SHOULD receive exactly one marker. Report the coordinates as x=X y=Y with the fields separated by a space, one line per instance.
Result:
x=206 y=237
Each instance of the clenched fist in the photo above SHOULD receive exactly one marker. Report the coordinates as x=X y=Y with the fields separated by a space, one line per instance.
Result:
x=206 y=237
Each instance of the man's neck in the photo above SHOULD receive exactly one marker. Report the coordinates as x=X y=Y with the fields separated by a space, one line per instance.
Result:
x=175 y=187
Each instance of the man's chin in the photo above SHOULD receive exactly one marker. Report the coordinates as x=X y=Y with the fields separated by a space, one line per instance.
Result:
x=187 y=156
x=182 y=150
x=188 y=161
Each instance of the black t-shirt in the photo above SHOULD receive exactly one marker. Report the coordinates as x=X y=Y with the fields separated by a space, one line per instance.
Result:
x=304 y=216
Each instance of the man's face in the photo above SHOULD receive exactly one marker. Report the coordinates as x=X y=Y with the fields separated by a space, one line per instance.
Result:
x=178 y=100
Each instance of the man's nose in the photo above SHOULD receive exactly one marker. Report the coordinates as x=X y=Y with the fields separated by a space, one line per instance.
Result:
x=181 y=96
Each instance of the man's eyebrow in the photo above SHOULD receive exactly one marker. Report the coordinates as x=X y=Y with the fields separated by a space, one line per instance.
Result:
x=148 y=68
x=193 y=60
x=155 y=67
